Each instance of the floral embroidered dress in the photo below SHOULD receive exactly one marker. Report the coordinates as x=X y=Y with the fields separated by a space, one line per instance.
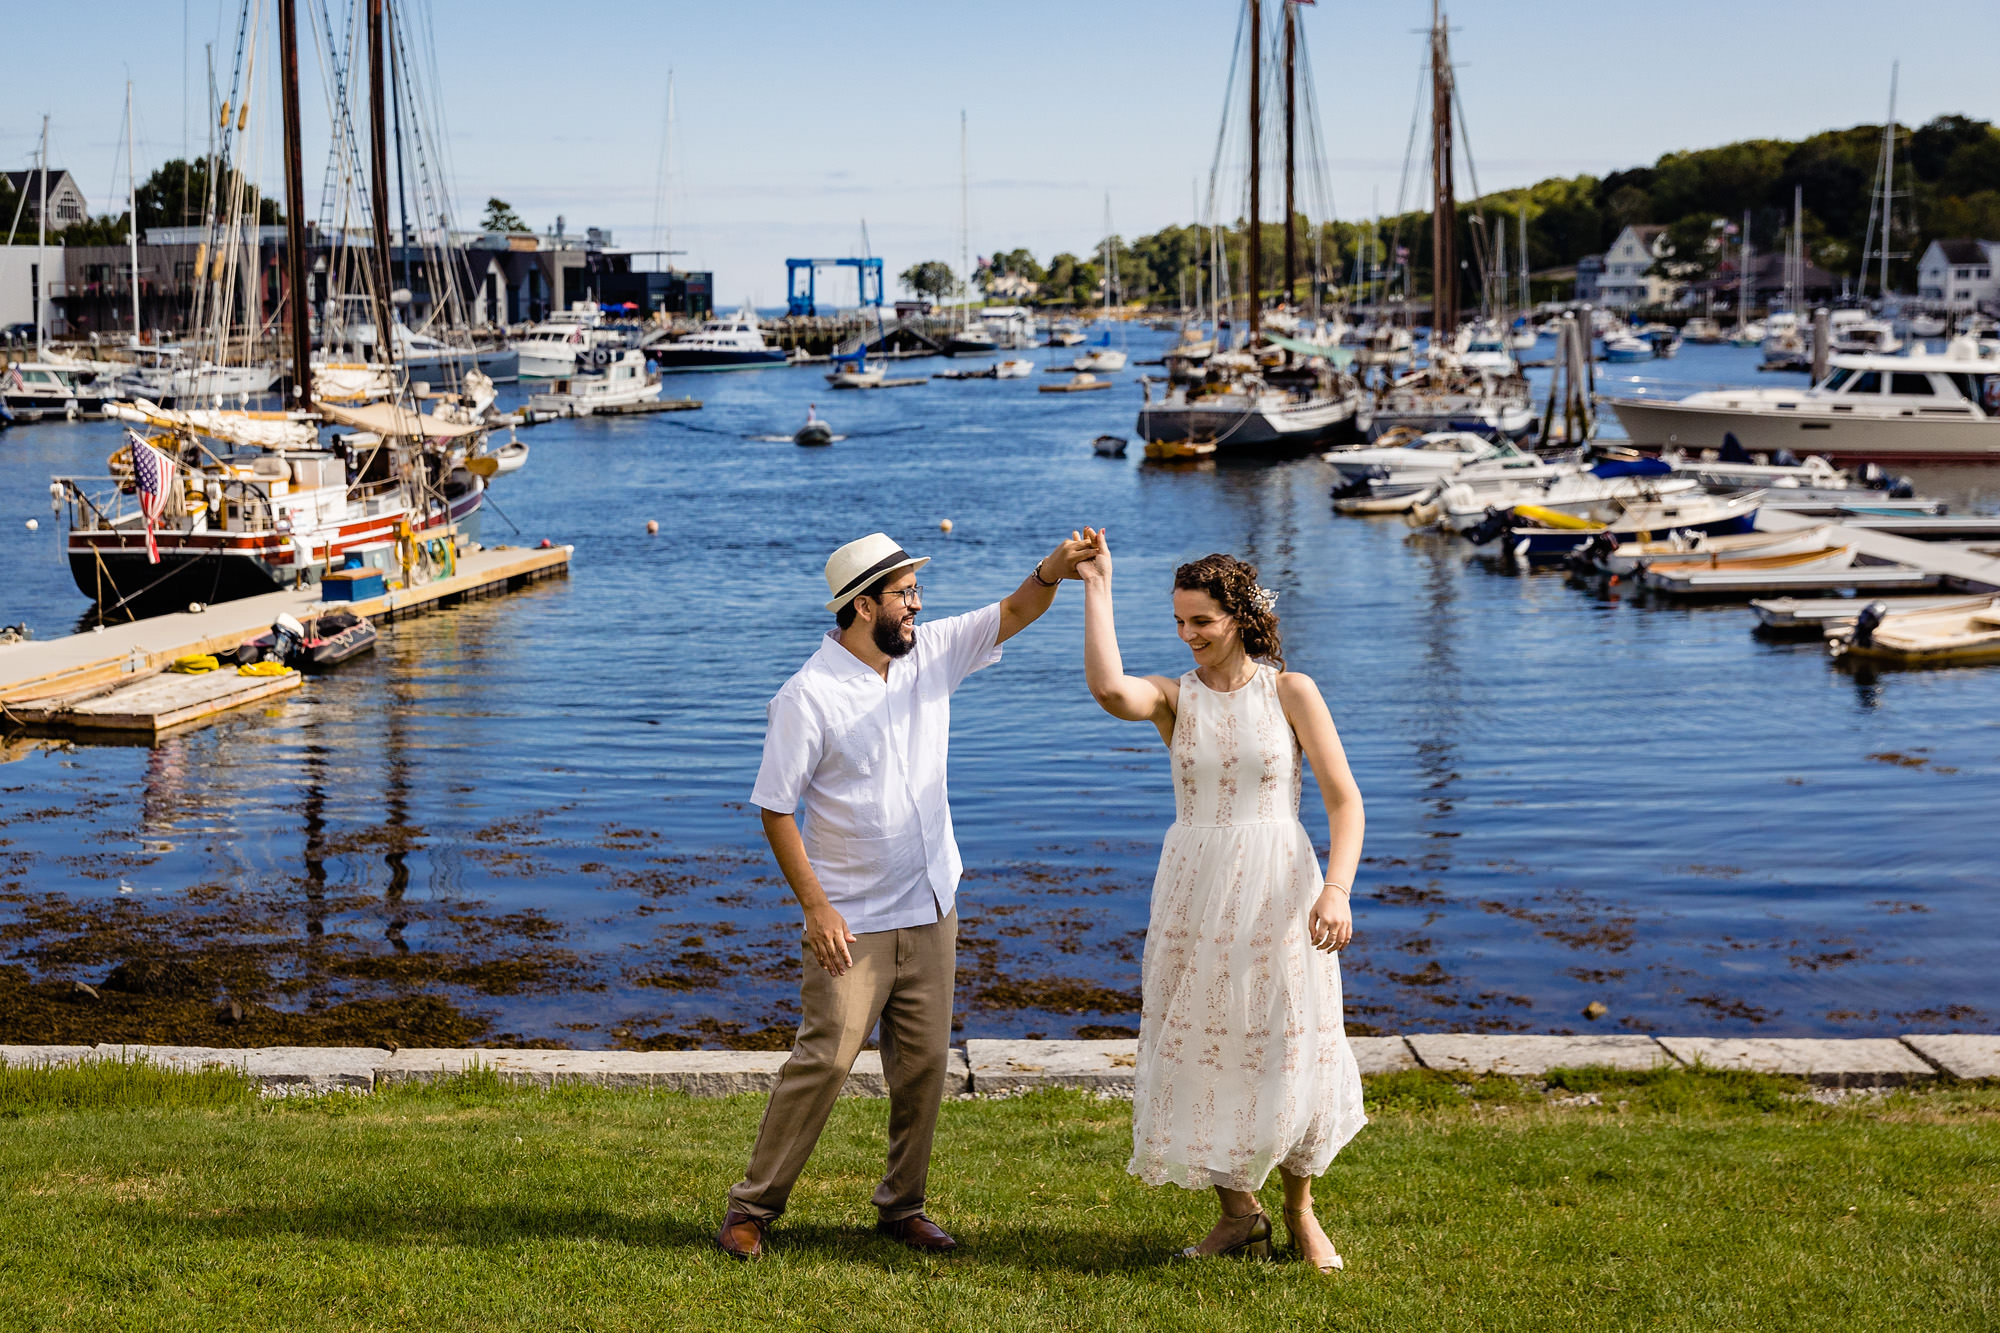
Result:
x=1243 y=1061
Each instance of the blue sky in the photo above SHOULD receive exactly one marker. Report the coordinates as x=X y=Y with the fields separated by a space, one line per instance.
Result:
x=798 y=120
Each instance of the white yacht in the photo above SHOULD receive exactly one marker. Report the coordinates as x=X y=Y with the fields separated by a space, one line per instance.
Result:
x=549 y=348
x=1923 y=406
x=37 y=390
x=733 y=343
x=623 y=382
x=1857 y=333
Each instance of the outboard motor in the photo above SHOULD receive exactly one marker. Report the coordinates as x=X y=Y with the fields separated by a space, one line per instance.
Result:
x=1873 y=477
x=288 y=638
x=1590 y=556
x=1348 y=489
x=1865 y=624
x=1496 y=522
x=1901 y=488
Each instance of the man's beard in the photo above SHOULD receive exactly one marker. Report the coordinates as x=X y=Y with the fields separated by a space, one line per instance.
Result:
x=889 y=638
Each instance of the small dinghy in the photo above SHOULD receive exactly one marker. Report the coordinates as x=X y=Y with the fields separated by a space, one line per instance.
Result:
x=315 y=644
x=1966 y=631
x=1109 y=446
x=1081 y=384
x=1606 y=555
x=1014 y=368
x=815 y=432
x=1675 y=578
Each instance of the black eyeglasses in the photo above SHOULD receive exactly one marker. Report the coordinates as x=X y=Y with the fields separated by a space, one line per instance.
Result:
x=912 y=595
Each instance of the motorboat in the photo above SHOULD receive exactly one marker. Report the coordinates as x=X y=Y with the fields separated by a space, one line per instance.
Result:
x=1748 y=335
x=1665 y=340
x=40 y=390
x=971 y=340
x=1082 y=382
x=1065 y=333
x=1684 y=549
x=1627 y=346
x=1704 y=331
x=317 y=643
x=1109 y=446
x=167 y=376
x=1522 y=336
x=735 y=343
x=1482 y=345
x=1014 y=368
x=1917 y=407
x=1926 y=325
x=1437 y=454
x=816 y=433
x=621 y=383
x=1966 y=631
x=1595 y=495
x=1100 y=359
x=1786 y=344
x=550 y=348
x=1683 y=577
x=1538 y=532
x=1857 y=333
x=1011 y=327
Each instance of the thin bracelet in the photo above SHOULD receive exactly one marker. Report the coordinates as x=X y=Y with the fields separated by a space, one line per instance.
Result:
x=1039 y=579
x=1347 y=890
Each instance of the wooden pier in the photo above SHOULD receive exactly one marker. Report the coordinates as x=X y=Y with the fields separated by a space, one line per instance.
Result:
x=115 y=678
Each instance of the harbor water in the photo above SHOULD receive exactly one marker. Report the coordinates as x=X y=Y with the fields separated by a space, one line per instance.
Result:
x=527 y=818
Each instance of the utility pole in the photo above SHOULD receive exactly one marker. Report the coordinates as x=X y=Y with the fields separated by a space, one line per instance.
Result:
x=295 y=203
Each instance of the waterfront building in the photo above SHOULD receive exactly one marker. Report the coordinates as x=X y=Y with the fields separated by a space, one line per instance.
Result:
x=1628 y=281
x=1960 y=273
x=66 y=202
x=1589 y=270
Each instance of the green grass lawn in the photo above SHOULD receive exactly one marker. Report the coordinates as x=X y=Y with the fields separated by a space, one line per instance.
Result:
x=136 y=1200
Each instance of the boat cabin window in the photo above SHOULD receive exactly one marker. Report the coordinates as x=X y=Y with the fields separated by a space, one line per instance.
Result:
x=1905 y=382
x=1867 y=381
x=1838 y=378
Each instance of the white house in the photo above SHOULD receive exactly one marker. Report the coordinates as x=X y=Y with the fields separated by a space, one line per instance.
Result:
x=1959 y=273
x=1625 y=283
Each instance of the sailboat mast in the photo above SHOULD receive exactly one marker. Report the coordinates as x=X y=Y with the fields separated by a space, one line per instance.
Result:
x=1527 y=296
x=1888 y=172
x=378 y=173
x=964 y=221
x=1444 y=207
x=132 y=210
x=1254 y=260
x=1291 y=151
x=295 y=205
x=1743 y=278
x=42 y=247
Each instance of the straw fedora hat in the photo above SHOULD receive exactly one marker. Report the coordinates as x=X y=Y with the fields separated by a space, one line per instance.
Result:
x=859 y=563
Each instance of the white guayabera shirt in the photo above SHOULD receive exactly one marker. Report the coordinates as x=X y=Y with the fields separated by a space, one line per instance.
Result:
x=866 y=757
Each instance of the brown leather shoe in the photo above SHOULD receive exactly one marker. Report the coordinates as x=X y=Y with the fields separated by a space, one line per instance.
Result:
x=741 y=1237
x=919 y=1233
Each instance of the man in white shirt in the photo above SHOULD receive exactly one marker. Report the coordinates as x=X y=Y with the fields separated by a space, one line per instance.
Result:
x=858 y=739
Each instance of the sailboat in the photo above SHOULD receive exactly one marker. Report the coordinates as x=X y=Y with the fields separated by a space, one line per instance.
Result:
x=253 y=502
x=1454 y=391
x=1105 y=357
x=971 y=337
x=1273 y=394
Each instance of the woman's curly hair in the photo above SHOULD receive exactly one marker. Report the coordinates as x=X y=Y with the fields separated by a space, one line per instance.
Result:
x=1233 y=584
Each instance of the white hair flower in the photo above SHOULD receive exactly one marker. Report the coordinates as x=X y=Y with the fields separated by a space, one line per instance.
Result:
x=1262 y=598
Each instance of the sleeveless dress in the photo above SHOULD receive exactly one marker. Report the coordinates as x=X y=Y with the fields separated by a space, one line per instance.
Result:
x=1243 y=1061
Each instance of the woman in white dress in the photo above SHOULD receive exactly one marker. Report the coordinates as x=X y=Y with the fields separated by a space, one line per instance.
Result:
x=1243 y=1061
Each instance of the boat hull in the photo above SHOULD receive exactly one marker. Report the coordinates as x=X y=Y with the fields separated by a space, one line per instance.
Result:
x=1265 y=428
x=1841 y=437
x=672 y=362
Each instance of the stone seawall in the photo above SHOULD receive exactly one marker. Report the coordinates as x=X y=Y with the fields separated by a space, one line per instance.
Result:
x=1004 y=1068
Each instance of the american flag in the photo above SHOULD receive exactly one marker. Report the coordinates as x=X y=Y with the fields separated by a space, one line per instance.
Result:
x=154 y=472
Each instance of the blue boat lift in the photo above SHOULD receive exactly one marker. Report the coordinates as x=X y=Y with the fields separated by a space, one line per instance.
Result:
x=868 y=272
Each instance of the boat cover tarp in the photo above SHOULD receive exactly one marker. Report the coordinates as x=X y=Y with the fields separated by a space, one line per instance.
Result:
x=390 y=419
x=258 y=430
x=1631 y=467
x=1341 y=357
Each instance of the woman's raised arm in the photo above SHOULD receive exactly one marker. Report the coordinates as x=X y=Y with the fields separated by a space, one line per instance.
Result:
x=1133 y=698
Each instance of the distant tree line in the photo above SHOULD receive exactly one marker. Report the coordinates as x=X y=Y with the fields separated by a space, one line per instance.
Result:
x=175 y=195
x=1948 y=174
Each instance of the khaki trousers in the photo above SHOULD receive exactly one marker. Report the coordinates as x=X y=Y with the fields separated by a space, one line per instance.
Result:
x=903 y=979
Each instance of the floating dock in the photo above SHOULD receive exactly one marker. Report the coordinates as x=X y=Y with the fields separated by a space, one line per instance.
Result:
x=1705 y=582
x=1955 y=567
x=531 y=418
x=114 y=678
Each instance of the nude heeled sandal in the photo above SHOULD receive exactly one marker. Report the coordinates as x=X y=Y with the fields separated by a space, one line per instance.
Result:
x=1256 y=1245
x=1334 y=1265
